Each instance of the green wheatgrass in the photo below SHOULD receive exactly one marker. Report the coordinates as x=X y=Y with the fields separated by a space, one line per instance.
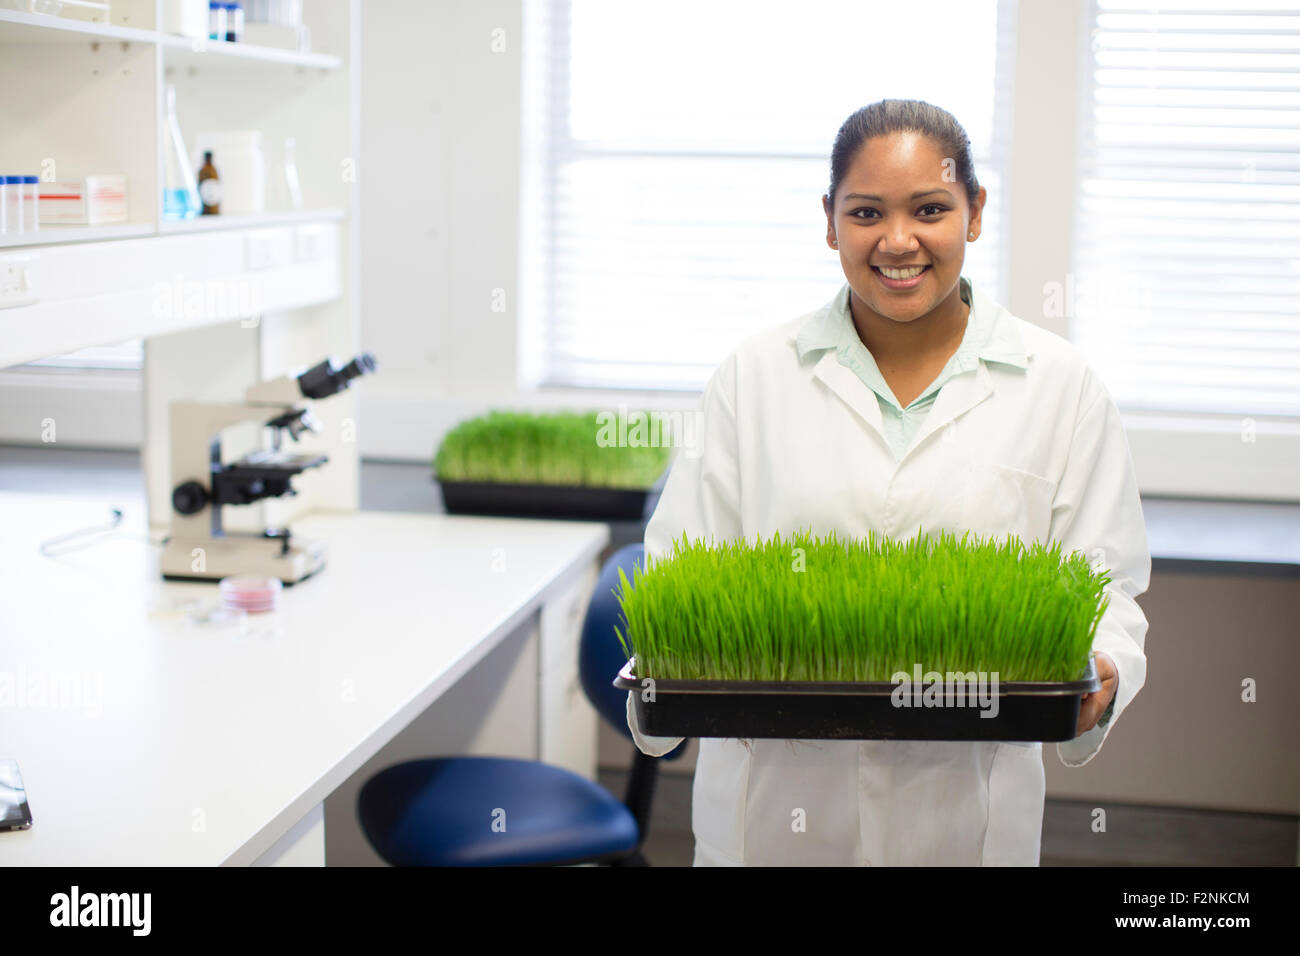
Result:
x=862 y=609
x=549 y=448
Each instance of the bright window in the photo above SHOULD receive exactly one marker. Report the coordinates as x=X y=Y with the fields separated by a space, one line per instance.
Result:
x=676 y=153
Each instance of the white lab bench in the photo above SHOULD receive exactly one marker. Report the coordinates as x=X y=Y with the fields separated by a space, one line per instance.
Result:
x=158 y=741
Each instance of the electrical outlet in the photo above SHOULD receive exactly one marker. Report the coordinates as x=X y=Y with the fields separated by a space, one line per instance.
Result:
x=269 y=249
x=15 y=281
x=313 y=243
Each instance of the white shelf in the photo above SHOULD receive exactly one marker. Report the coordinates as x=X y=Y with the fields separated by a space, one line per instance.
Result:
x=53 y=234
x=19 y=27
x=213 y=223
x=187 y=52
x=50 y=234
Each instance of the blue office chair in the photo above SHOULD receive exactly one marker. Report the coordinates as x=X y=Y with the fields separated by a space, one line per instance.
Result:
x=441 y=811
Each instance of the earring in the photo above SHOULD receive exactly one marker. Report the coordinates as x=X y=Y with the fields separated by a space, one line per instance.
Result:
x=835 y=243
x=972 y=235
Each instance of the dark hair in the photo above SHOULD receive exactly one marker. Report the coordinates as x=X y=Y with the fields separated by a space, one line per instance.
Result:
x=895 y=116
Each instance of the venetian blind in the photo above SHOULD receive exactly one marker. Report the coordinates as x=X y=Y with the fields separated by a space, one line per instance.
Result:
x=1186 y=284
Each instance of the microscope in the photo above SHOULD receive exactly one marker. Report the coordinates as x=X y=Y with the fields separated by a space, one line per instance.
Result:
x=198 y=548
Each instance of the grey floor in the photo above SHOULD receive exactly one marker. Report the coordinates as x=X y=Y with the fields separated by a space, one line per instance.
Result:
x=1136 y=835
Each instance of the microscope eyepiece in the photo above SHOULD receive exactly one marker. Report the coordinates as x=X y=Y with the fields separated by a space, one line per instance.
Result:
x=361 y=365
x=323 y=380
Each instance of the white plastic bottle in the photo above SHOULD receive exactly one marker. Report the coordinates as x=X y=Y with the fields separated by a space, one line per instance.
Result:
x=13 y=203
x=216 y=20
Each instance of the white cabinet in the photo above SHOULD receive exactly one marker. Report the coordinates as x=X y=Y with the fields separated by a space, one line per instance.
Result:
x=568 y=724
x=81 y=294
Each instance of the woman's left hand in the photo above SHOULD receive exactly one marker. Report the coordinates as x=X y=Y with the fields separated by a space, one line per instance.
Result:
x=1093 y=705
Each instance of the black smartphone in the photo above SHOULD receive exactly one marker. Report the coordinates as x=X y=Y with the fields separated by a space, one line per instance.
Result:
x=14 y=812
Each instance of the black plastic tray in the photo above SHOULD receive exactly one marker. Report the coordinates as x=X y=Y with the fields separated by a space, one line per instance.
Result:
x=549 y=501
x=824 y=710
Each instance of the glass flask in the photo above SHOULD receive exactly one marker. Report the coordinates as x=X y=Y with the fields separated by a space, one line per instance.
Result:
x=289 y=171
x=180 y=189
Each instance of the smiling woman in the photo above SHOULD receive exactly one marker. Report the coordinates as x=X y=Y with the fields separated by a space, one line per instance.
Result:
x=911 y=400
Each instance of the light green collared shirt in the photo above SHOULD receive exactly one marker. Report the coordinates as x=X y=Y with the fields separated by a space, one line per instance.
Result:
x=833 y=328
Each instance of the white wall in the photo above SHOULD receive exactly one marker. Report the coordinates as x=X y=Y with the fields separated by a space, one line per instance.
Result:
x=440 y=193
x=439 y=190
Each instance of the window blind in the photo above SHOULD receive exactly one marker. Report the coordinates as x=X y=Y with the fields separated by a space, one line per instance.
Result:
x=676 y=153
x=1187 y=230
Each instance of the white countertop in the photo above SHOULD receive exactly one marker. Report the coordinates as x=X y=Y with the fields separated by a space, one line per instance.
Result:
x=163 y=742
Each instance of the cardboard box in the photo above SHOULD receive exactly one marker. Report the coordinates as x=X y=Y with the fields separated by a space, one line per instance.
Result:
x=88 y=202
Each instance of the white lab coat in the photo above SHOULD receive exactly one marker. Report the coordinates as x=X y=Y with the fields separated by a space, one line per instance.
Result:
x=786 y=444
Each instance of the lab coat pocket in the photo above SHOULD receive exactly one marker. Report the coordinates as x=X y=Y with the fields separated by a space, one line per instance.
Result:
x=1001 y=500
x=1017 y=790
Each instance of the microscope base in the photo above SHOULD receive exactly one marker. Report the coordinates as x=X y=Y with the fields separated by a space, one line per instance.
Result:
x=240 y=554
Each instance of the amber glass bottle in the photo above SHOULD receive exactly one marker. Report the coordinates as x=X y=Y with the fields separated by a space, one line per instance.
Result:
x=209 y=186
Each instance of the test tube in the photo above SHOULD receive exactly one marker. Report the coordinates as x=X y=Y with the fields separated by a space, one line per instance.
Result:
x=13 y=203
x=31 y=204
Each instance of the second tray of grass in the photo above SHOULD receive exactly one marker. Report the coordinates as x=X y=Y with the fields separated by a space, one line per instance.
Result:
x=549 y=464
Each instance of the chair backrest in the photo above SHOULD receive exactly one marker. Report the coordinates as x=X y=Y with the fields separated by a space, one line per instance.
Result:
x=600 y=654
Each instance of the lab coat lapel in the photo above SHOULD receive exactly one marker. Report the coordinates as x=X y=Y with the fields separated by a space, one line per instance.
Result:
x=959 y=395
x=851 y=390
